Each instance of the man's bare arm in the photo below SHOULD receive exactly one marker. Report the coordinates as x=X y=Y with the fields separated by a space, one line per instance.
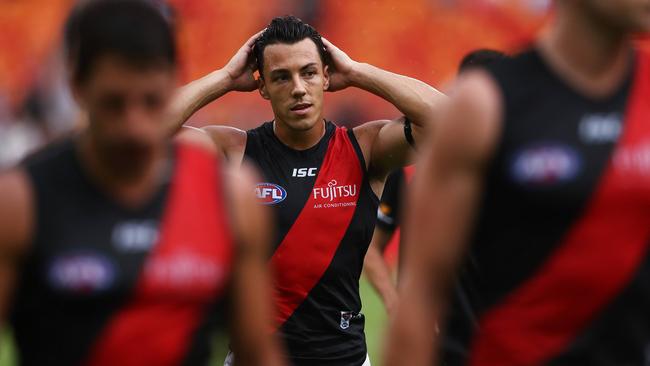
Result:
x=15 y=227
x=419 y=102
x=236 y=75
x=442 y=202
x=251 y=326
x=377 y=271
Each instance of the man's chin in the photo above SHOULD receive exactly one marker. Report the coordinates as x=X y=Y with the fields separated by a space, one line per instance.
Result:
x=130 y=163
x=303 y=124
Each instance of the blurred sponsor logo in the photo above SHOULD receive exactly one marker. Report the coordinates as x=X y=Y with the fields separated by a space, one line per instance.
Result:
x=545 y=165
x=183 y=269
x=600 y=128
x=83 y=272
x=135 y=235
x=634 y=159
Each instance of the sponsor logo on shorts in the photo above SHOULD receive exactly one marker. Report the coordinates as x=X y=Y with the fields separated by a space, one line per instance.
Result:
x=82 y=272
x=335 y=195
x=545 y=165
x=270 y=193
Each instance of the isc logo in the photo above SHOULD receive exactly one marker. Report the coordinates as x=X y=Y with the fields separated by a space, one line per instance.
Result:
x=269 y=193
x=304 y=172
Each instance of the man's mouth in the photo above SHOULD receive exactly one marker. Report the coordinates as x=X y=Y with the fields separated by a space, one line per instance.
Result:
x=300 y=107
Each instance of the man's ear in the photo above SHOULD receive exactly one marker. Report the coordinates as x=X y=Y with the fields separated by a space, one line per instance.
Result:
x=261 y=87
x=326 y=76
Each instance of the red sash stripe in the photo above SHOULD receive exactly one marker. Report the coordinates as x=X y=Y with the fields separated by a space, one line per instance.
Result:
x=157 y=324
x=309 y=247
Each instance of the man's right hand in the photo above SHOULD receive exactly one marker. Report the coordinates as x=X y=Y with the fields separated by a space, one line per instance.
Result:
x=237 y=75
x=241 y=67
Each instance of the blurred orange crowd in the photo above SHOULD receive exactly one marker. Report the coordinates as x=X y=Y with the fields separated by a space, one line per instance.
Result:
x=421 y=38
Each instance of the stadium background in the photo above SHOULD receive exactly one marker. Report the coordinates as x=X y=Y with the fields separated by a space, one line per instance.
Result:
x=421 y=38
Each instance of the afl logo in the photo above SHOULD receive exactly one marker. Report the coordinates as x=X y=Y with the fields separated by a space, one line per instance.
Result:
x=269 y=193
x=545 y=165
x=81 y=272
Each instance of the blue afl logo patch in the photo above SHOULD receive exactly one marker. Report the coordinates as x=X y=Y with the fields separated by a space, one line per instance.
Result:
x=269 y=193
x=545 y=165
x=83 y=272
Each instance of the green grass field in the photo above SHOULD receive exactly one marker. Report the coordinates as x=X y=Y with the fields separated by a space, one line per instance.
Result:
x=372 y=308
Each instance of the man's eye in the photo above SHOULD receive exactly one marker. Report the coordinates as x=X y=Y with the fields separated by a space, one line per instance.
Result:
x=153 y=101
x=112 y=103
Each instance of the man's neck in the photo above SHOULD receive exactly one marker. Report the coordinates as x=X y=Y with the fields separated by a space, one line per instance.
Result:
x=131 y=191
x=590 y=55
x=299 y=139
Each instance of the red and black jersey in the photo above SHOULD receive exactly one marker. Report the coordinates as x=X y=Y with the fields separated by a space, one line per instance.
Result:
x=325 y=212
x=561 y=272
x=108 y=285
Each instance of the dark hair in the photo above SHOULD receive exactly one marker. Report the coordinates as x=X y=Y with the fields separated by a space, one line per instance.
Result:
x=480 y=58
x=131 y=29
x=287 y=30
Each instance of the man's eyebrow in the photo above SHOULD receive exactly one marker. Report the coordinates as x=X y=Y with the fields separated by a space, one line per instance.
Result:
x=308 y=65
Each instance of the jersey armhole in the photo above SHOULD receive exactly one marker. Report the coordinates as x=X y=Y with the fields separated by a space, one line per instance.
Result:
x=357 y=150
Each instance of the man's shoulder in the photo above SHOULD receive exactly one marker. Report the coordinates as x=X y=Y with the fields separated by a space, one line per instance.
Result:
x=15 y=210
x=368 y=131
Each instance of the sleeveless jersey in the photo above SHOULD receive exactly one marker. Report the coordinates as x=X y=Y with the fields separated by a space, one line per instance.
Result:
x=325 y=212
x=107 y=285
x=562 y=270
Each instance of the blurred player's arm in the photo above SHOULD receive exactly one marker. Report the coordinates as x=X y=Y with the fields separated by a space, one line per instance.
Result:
x=15 y=226
x=197 y=137
x=419 y=102
x=442 y=202
x=251 y=325
x=376 y=268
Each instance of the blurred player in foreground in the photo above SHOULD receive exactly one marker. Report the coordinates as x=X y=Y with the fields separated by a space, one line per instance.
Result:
x=123 y=248
x=321 y=180
x=389 y=214
x=541 y=164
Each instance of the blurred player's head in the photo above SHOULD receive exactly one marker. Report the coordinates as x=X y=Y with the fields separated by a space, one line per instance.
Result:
x=122 y=57
x=293 y=72
x=479 y=58
x=623 y=16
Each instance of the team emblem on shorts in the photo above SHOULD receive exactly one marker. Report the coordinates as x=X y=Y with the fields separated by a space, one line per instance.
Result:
x=269 y=193
x=346 y=316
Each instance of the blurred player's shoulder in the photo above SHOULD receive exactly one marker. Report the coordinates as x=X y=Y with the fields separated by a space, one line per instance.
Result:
x=196 y=139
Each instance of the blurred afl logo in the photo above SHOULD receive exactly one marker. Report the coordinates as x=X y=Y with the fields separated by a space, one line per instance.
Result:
x=81 y=272
x=545 y=165
x=269 y=193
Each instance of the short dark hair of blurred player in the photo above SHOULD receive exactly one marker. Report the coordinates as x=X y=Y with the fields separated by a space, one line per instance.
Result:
x=117 y=247
x=389 y=213
x=540 y=165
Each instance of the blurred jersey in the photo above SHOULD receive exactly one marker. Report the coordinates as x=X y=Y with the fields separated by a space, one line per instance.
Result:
x=562 y=270
x=388 y=214
x=110 y=285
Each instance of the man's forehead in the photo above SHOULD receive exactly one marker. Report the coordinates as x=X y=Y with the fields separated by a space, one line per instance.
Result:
x=287 y=56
